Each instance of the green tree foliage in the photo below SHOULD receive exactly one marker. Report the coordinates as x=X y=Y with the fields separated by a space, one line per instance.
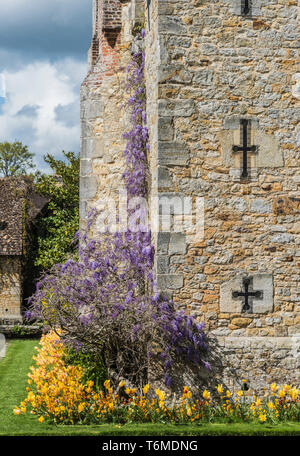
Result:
x=15 y=159
x=57 y=228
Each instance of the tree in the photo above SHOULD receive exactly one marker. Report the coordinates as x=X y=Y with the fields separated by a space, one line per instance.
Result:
x=15 y=159
x=56 y=230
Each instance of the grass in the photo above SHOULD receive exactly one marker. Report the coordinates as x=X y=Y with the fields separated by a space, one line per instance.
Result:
x=13 y=377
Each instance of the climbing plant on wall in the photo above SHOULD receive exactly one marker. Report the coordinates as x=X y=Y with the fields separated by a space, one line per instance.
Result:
x=100 y=301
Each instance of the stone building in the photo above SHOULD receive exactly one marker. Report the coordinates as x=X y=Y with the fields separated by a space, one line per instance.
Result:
x=223 y=90
x=19 y=206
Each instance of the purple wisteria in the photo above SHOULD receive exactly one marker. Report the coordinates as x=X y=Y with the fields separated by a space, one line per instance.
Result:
x=137 y=145
x=105 y=301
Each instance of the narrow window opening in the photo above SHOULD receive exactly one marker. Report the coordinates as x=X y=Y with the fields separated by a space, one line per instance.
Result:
x=246 y=7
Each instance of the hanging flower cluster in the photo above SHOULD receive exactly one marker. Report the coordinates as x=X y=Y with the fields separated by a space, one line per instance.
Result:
x=137 y=145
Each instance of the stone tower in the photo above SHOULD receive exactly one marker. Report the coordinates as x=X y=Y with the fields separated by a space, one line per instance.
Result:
x=223 y=96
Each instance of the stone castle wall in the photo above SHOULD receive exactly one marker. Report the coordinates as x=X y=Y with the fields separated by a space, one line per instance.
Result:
x=102 y=118
x=19 y=207
x=216 y=67
x=208 y=68
x=10 y=288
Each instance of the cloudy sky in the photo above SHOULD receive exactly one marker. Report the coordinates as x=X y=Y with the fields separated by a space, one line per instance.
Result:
x=43 y=60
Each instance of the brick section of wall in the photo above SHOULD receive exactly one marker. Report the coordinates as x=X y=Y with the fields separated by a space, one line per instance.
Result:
x=102 y=119
x=112 y=14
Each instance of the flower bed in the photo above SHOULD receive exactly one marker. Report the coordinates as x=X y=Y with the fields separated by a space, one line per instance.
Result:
x=58 y=393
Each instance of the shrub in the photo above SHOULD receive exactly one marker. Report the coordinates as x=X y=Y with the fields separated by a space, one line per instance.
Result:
x=101 y=307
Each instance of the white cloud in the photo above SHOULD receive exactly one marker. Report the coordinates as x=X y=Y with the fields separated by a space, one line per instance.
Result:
x=2 y=86
x=42 y=86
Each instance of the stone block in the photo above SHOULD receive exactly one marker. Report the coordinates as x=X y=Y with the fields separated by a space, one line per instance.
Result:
x=91 y=109
x=162 y=264
x=203 y=77
x=174 y=73
x=261 y=206
x=83 y=209
x=88 y=187
x=263 y=282
x=163 y=240
x=241 y=322
x=177 y=244
x=172 y=25
x=282 y=238
x=163 y=177
x=269 y=154
x=92 y=148
x=260 y=282
x=173 y=153
x=296 y=86
x=172 y=204
x=165 y=129
x=2 y=346
x=85 y=167
x=176 y=108
x=200 y=277
x=169 y=281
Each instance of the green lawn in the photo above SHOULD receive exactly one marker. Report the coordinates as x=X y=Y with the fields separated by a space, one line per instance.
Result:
x=13 y=377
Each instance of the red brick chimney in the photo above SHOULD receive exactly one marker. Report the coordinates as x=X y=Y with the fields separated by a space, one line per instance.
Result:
x=106 y=34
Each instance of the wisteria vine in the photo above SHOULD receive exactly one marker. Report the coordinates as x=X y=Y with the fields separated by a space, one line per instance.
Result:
x=105 y=302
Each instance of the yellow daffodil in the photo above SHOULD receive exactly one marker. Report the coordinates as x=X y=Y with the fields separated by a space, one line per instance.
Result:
x=146 y=388
x=273 y=387
x=160 y=394
x=220 y=389
x=57 y=391
x=262 y=418
x=81 y=407
x=206 y=395
x=186 y=393
x=293 y=393
x=258 y=402
x=107 y=384
x=110 y=406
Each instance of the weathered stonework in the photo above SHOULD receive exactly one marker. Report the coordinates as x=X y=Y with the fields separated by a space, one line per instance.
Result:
x=19 y=206
x=208 y=66
x=10 y=288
